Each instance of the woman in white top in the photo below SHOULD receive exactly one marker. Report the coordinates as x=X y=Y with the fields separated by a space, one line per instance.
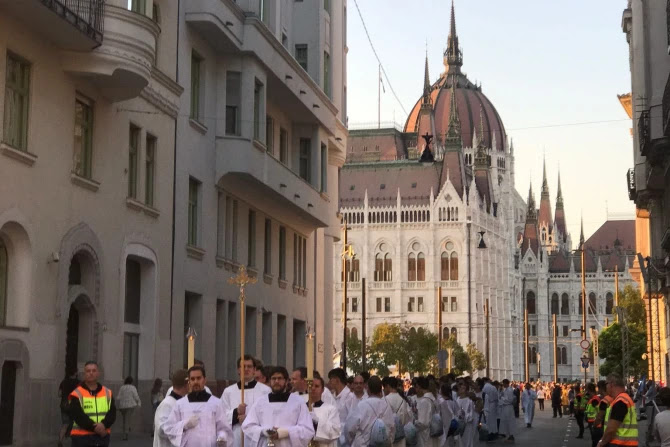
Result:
x=127 y=400
x=540 y=397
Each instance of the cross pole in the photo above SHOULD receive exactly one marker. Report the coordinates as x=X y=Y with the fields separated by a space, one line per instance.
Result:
x=242 y=280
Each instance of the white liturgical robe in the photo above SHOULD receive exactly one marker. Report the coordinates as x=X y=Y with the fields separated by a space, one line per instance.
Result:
x=197 y=420
x=162 y=413
x=361 y=419
x=528 y=403
x=326 y=397
x=425 y=408
x=400 y=408
x=282 y=410
x=231 y=399
x=328 y=428
x=490 y=394
x=507 y=419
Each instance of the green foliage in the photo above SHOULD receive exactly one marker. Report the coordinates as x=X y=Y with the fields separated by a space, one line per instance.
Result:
x=354 y=354
x=477 y=357
x=420 y=348
x=609 y=340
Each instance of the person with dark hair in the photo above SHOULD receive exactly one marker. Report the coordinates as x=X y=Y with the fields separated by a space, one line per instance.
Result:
x=156 y=395
x=620 y=417
x=401 y=409
x=361 y=422
x=231 y=399
x=507 y=422
x=359 y=389
x=299 y=386
x=179 y=390
x=556 y=400
x=425 y=409
x=325 y=417
x=264 y=376
x=196 y=362
x=490 y=396
x=127 y=401
x=344 y=398
x=280 y=417
x=662 y=420
x=198 y=420
x=92 y=409
x=67 y=385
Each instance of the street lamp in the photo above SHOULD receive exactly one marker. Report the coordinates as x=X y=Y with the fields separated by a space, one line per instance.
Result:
x=539 y=358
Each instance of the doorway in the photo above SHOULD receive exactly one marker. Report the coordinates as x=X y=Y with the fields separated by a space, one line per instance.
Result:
x=80 y=334
x=7 y=400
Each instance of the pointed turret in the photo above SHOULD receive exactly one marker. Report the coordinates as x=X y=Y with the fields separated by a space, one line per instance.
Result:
x=544 y=218
x=453 y=140
x=559 y=216
x=530 y=233
x=581 y=234
x=453 y=57
x=426 y=84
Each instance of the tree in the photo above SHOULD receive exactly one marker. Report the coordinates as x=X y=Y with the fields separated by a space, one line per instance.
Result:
x=460 y=360
x=420 y=346
x=387 y=344
x=354 y=354
x=609 y=340
x=477 y=357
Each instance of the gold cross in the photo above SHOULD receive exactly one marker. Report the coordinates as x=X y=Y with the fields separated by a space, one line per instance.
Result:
x=242 y=279
x=348 y=251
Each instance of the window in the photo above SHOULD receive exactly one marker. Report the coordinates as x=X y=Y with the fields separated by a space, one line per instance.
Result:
x=306 y=159
x=4 y=278
x=566 y=331
x=150 y=169
x=444 y=266
x=532 y=330
x=140 y=7
x=17 y=97
x=352 y=267
x=133 y=292
x=554 y=304
x=251 y=239
x=301 y=55
x=324 y=168
x=282 y=253
x=454 y=304
x=383 y=263
x=530 y=302
x=354 y=333
x=565 y=304
x=419 y=304
x=264 y=8
x=379 y=304
x=581 y=305
x=609 y=303
x=270 y=134
x=131 y=350
x=445 y=304
x=454 y=333
x=233 y=255
x=83 y=138
x=410 y=304
x=416 y=264
x=326 y=74
x=354 y=305
x=561 y=355
x=411 y=267
x=258 y=99
x=449 y=263
x=453 y=266
x=387 y=304
x=593 y=307
x=445 y=333
x=283 y=145
x=196 y=90
x=193 y=211
x=532 y=354
x=267 y=251
x=233 y=101
x=299 y=261
x=133 y=151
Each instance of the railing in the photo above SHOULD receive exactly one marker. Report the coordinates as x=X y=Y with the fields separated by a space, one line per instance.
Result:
x=643 y=131
x=414 y=284
x=382 y=284
x=87 y=15
x=350 y=285
x=448 y=284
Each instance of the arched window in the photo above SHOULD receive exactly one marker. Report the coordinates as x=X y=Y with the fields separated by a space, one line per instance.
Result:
x=532 y=354
x=383 y=264
x=420 y=267
x=412 y=331
x=445 y=333
x=454 y=333
x=593 y=308
x=609 y=303
x=565 y=304
x=453 y=267
x=530 y=302
x=444 y=266
x=411 y=267
x=581 y=305
x=4 y=277
x=554 y=304
x=354 y=333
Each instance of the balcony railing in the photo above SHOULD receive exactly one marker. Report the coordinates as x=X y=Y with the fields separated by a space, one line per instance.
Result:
x=86 y=15
x=414 y=284
x=644 y=132
x=448 y=284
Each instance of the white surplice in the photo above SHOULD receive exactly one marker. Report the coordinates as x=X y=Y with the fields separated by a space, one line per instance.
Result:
x=162 y=413
x=470 y=418
x=425 y=407
x=507 y=419
x=490 y=394
x=345 y=401
x=528 y=402
x=326 y=397
x=360 y=421
x=231 y=399
x=329 y=427
x=291 y=415
x=212 y=423
x=399 y=407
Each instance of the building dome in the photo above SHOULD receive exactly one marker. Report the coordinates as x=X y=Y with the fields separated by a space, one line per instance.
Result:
x=474 y=110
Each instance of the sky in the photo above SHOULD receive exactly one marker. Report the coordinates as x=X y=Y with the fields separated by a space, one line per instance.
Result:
x=543 y=64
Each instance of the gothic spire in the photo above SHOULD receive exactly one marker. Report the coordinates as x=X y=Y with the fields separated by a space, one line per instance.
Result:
x=559 y=196
x=581 y=234
x=532 y=211
x=453 y=57
x=453 y=139
x=426 y=83
x=545 y=185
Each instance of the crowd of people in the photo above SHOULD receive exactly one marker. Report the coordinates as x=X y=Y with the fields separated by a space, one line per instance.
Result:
x=270 y=407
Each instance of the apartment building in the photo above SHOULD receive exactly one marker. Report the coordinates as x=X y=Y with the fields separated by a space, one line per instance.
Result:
x=260 y=137
x=89 y=107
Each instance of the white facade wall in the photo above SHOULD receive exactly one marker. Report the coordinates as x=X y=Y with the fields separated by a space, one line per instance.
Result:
x=246 y=168
x=52 y=218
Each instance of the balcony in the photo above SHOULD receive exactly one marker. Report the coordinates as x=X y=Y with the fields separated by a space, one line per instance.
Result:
x=414 y=284
x=384 y=285
x=70 y=24
x=121 y=66
x=350 y=286
x=249 y=172
x=448 y=284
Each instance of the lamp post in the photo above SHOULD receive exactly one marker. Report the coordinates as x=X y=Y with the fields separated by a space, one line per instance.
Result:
x=539 y=358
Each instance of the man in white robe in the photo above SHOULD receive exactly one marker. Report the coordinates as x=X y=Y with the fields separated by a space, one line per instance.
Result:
x=344 y=398
x=528 y=402
x=490 y=394
x=299 y=386
x=360 y=388
x=398 y=405
x=196 y=362
x=326 y=417
x=232 y=397
x=507 y=419
x=179 y=390
x=279 y=416
x=425 y=408
x=361 y=420
x=197 y=420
